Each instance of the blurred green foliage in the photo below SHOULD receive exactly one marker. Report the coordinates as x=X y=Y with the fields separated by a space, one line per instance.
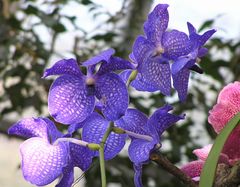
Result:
x=24 y=54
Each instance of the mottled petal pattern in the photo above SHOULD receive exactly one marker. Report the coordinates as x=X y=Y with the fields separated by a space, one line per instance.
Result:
x=220 y=115
x=193 y=169
x=180 y=83
x=231 y=94
x=42 y=162
x=134 y=121
x=157 y=23
x=162 y=120
x=80 y=156
x=93 y=130
x=67 y=177
x=68 y=102
x=158 y=74
x=179 y=64
x=175 y=44
x=139 y=150
x=64 y=67
x=113 y=94
x=34 y=127
x=140 y=85
x=205 y=37
x=103 y=56
x=142 y=49
x=114 y=64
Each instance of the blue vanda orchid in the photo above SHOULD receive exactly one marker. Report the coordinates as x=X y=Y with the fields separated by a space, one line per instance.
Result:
x=153 y=52
x=73 y=95
x=47 y=154
x=153 y=127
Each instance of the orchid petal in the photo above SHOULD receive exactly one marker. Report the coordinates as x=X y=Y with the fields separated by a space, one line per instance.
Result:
x=68 y=101
x=103 y=56
x=175 y=44
x=113 y=94
x=35 y=127
x=64 y=67
x=180 y=83
x=114 y=64
x=94 y=129
x=42 y=162
x=157 y=23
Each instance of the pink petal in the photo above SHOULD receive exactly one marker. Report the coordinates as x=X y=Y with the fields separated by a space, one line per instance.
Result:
x=202 y=153
x=232 y=146
x=231 y=94
x=220 y=115
x=193 y=169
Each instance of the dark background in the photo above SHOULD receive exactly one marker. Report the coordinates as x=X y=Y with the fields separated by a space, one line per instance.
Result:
x=25 y=52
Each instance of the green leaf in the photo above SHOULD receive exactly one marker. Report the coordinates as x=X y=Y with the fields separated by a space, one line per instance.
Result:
x=206 y=24
x=108 y=37
x=209 y=169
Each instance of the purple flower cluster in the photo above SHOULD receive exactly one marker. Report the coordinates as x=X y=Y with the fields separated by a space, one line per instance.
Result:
x=91 y=101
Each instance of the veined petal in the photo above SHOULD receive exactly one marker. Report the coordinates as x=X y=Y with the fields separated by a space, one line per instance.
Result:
x=42 y=162
x=134 y=121
x=35 y=127
x=139 y=150
x=140 y=85
x=193 y=169
x=142 y=49
x=158 y=74
x=175 y=44
x=113 y=94
x=103 y=56
x=191 y=28
x=220 y=115
x=157 y=23
x=231 y=94
x=114 y=64
x=68 y=101
x=80 y=156
x=179 y=64
x=180 y=83
x=205 y=37
x=94 y=128
x=138 y=175
x=64 y=67
x=67 y=178
x=162 y=120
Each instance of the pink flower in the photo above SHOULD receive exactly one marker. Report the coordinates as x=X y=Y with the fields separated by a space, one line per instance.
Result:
x=228 y=105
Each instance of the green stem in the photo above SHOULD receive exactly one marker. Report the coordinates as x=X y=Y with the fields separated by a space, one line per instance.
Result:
x=101 y=155
x=132 y=77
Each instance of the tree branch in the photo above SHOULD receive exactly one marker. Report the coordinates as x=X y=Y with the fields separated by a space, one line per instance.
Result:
x=163 y=162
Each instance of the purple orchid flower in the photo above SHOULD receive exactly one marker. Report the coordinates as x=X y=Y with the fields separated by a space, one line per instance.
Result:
x=45 y=157
x=137 y=122
x=72 y=96
x=182 y=66
x=153 y=52
x=93 y=130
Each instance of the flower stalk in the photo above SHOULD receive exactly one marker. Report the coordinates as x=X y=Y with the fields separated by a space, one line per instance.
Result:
x=101 y=154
